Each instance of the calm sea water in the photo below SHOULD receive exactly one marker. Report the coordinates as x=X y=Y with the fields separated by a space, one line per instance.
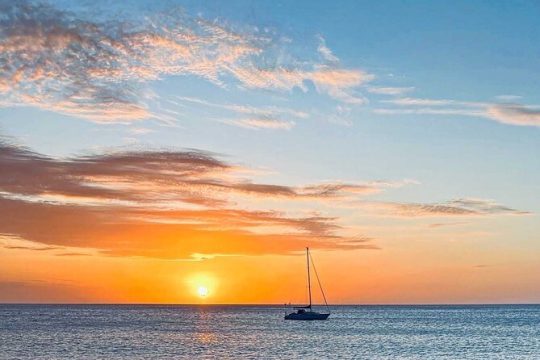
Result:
x=249 y=332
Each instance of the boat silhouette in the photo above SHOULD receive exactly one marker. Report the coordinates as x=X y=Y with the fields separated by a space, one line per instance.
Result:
x=306 y=312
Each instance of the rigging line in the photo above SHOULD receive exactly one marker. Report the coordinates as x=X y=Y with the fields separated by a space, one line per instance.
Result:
x=308 y=256
x=318 y=281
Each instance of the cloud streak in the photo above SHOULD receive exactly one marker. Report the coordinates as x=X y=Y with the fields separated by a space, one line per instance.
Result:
x=54 y=60
x=251 y=117
x=505 y=113
x=173 y=204
x=262 y=123
x=514 y=114
x=165 y=204
x=391 y=91
x=459 y=207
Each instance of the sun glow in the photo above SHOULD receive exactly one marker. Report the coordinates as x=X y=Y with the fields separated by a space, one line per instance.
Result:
x=202 y=291
x=201 y=285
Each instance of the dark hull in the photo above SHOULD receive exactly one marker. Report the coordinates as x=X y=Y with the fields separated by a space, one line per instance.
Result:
x=308 y=315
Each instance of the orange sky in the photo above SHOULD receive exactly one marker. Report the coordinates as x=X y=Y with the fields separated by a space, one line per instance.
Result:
x=153 y=227
x=424 y=274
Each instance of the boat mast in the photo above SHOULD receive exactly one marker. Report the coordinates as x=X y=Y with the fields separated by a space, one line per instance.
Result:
x=308 y=277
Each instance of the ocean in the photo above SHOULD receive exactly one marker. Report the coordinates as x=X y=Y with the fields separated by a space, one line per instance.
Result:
x=259 y=332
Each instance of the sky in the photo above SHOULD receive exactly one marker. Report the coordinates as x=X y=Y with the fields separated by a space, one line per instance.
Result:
x=151 y=150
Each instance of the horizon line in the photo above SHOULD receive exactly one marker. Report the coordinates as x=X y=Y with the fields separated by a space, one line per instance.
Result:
x=265 y=304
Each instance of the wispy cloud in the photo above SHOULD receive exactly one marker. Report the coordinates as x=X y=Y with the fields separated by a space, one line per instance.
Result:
x=505 y=113
x=140 y=131
x=172 y=204
x=459 y=207
x=411 y=101
x=341 y=115
x=251 y=117
x=52 y=59
x=392 y=91
x=247 y=109
x=508 y=98
x=326 y=53
x=445 y=224
x=429 y=111
x=162 y=203
x=11 y=242
x=190 y=176
x=262 y=123
x=514 y=114
x=33 y=248
x=162 y=233
x=338 y=83
x=333 y=81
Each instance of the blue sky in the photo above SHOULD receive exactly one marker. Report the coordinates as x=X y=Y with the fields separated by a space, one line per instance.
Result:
x=460 y=51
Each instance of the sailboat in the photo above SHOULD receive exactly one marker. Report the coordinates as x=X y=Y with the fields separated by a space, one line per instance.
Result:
x=306 y=312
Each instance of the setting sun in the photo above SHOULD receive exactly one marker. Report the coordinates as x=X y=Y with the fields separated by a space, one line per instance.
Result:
x=201 y=284
x=202 y=291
